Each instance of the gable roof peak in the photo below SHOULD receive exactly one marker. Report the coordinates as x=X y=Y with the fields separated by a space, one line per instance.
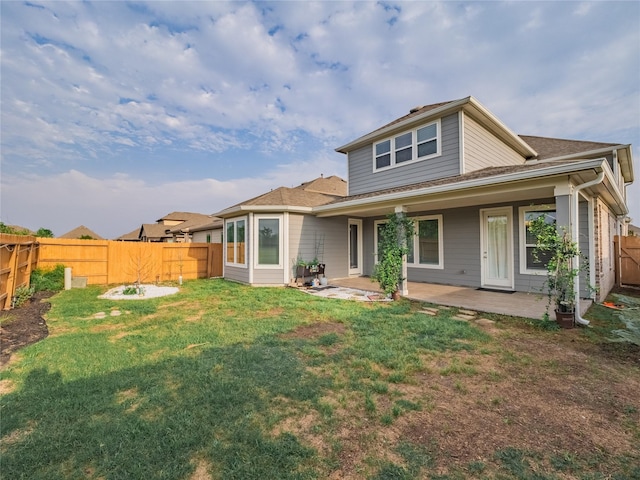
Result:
x=469 y=105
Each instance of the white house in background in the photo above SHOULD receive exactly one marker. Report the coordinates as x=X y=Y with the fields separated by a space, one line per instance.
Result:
x=471 y=185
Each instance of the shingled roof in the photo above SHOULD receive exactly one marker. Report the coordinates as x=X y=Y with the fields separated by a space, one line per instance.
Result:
x=81 y=231
x=132 y=236
x=154 y=231
x=182 y=216
x=559 y=147
x=196 y=224
x=319 y=191
x=414 y=112
x=476 y=175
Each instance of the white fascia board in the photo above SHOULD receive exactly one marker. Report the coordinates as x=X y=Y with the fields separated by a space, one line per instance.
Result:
x=614 y=190
x=628 y=164
x=480 y=182
x=598 y=151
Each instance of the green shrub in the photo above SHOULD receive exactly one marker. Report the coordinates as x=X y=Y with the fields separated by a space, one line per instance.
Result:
x=22 y=295
x=51 y=279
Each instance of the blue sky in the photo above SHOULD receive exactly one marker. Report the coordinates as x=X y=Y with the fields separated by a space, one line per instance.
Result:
x=117 y=113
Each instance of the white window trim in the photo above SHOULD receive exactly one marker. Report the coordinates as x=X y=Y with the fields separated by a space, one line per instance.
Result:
x=235 y=236
x=414 y=147
x=416 y=244
x=523 y=237
x=256 y=240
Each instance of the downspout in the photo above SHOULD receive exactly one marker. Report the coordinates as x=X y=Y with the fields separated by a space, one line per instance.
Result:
x=574 y=234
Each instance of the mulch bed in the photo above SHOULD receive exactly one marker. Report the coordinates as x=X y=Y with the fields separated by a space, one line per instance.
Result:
x=23 y=325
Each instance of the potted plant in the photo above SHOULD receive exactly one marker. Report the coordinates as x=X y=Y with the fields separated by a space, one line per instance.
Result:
x=559 y=250
x=308 y=268
x=393 y=244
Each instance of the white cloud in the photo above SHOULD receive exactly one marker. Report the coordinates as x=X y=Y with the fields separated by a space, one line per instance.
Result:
x=84 y=82
x=116 y=204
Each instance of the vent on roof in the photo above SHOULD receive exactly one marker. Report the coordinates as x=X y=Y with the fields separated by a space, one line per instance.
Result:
x=415 y=109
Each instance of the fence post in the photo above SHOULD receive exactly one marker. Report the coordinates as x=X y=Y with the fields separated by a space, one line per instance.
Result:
x=11 y=281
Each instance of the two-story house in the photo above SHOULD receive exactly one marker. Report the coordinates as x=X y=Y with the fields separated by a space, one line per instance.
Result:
x=471 y=185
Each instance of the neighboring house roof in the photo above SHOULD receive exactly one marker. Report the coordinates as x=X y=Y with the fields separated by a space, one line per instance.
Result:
x=181 y=216
x=81 y=231
x=634 y=230
x=132 y=236
x=154 y=231
x=22 y=230
x=302 y=197
x=197 y=225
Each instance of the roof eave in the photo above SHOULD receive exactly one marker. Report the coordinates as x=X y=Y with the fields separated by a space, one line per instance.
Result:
x=626 y=165
x=482 y=182
x=240 y=209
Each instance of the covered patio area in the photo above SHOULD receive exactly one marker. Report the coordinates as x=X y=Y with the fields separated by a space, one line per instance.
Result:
x=517 y=304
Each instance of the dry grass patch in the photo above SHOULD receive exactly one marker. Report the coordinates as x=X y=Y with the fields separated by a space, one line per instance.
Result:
x=316 y=330
x=17 y=436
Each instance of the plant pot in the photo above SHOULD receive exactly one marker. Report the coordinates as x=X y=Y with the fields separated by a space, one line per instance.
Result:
x=395 y=295
x=565 y=319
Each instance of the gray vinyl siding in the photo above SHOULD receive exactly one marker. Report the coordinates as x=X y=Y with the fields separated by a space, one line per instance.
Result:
x=236 y=274
x=583 y=245
x=268 y=276
x=462 y=257
x=461 y=237
x=483 y=149
x=362 y=178
x=324 y=238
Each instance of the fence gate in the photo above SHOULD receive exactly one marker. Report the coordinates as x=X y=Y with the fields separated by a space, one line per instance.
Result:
x=628 y=260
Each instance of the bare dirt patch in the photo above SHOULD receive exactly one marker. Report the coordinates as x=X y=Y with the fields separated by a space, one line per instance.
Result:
x=23 y=325
x=316 y=330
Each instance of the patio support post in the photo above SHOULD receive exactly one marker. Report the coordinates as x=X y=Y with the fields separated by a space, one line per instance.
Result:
x=404 y=287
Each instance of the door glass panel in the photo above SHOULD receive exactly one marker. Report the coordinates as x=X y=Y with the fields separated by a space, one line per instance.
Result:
x=353 y=246
x=497 y=247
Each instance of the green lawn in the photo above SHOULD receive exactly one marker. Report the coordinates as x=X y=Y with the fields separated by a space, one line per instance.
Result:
x=224 y=381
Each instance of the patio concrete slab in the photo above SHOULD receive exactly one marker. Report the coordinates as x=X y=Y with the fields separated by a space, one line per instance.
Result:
x=517 y=304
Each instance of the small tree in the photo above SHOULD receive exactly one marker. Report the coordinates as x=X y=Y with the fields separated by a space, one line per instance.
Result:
x=393 y=244
x=141 y=263
x=44 y=233
x=558 y=248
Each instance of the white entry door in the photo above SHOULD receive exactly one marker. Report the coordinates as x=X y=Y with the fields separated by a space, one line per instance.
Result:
x=355 y=247
x=496 y=248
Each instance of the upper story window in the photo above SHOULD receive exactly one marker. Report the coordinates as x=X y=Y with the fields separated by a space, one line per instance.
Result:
x=418 y=144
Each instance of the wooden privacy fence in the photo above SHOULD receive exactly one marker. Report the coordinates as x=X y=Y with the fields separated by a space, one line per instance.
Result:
x=18 y=257
x=105 y=262
x=627 y=260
